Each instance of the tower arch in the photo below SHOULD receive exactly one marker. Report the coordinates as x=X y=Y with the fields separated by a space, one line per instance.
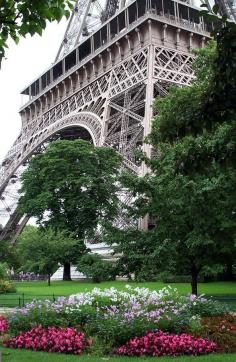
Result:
x=84 y=125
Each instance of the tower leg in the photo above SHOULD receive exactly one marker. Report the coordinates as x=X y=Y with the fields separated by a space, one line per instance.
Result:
x=143 y=223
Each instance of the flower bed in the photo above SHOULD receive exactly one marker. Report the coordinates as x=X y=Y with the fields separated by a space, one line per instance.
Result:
x=164 y=344
x=165 y=309
x=62 y=340
x=113 y=317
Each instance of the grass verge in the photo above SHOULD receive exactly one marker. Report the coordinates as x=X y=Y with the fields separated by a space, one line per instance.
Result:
x=10 y=355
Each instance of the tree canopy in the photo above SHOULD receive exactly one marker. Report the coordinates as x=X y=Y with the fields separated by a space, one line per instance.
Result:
x=43 y=250
x=22 y=17
x=71 y=186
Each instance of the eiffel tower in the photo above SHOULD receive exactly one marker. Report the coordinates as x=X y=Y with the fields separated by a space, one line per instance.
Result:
x=115 y=58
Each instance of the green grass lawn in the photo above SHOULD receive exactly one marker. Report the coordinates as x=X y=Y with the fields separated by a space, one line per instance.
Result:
x=41 y=290
x=67 y=288
x=10 y=355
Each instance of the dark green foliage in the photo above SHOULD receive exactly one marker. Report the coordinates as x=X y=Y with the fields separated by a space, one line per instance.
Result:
x=93 y=266
x=22 y=17
x=221 y=101
x=136 y=253
x=71 y=186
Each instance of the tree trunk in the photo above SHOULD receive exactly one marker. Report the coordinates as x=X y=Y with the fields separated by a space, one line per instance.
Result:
x=194 y=275
x=66 y=272
x=229 y=272
x=49 y=280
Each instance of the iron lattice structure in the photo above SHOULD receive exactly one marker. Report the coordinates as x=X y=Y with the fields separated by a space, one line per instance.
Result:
x=102 y=88
x=226 y=7
x=88 y=15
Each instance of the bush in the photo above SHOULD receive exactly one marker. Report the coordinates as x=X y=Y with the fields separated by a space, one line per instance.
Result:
x=164 y=344
x=6 y=287
x=93 y=266
x=62 y=340
x=221 y=330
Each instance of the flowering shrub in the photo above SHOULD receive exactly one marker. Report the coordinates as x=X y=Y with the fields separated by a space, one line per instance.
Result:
x=162 y=344
x=3 y=325
x=63 y=340
x=221 y=330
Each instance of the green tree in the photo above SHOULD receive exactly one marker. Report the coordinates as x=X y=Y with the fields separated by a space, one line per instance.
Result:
x=191 y=188
x=133 y=250
x=42 y=250
x=22 y=17
x=71 y=186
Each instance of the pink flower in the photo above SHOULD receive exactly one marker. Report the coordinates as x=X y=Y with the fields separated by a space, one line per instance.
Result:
x=3 y=325
x=51 y=339
x=162 y=344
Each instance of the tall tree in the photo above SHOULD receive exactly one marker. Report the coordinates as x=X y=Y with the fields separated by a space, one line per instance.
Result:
x=42 y=250
x=71 y=186
x=23 y=17
x=191 y=188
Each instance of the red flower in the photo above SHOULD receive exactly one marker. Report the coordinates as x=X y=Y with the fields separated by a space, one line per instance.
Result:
x=62 y=340
x=161 y=344
x=3 y=325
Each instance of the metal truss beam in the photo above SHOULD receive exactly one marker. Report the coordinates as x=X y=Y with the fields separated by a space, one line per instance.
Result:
x=87 y=16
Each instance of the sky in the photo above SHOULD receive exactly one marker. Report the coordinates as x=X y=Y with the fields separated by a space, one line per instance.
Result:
x=23 y=63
